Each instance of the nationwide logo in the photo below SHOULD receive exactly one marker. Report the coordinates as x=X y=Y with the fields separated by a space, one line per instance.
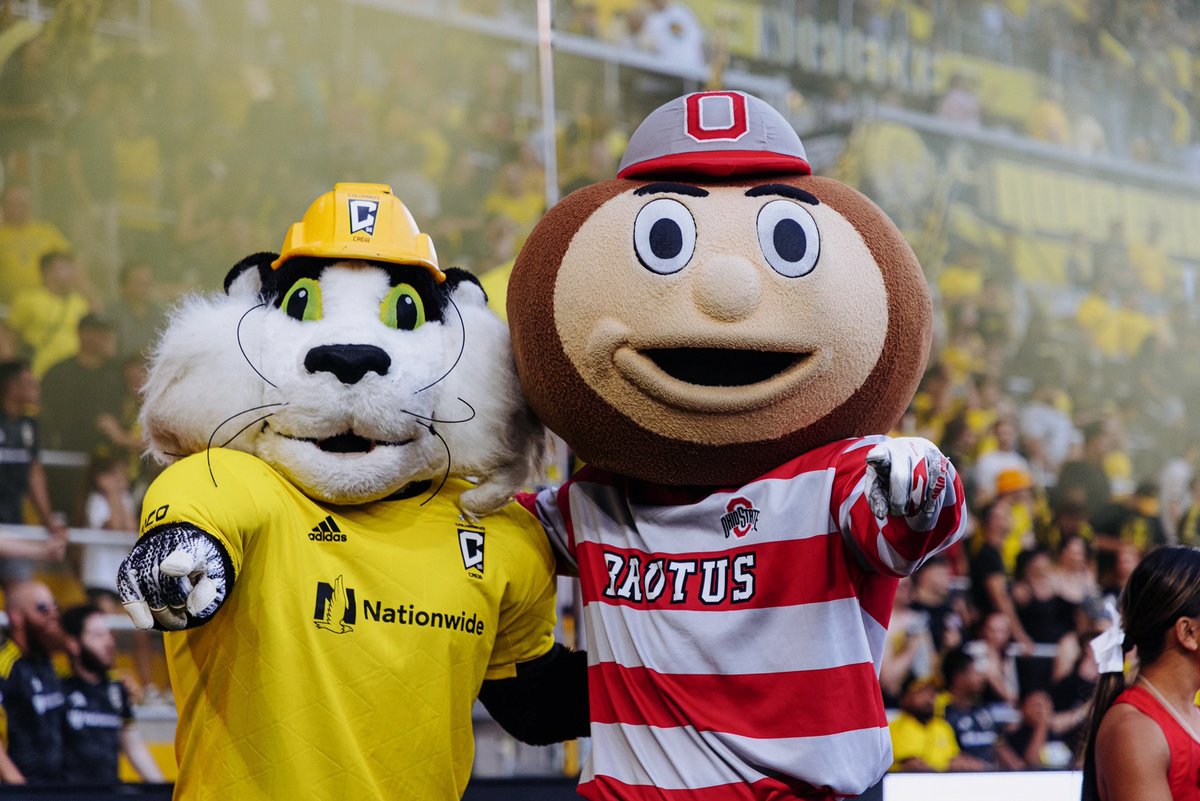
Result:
x=327 y=531
x=740 y=518
x=470 y=544
x=362 y=216
x=336 y=609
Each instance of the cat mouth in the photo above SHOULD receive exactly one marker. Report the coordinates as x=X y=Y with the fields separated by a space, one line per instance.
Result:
x=345 y=442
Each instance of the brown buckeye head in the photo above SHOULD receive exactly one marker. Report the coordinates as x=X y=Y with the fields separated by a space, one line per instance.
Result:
x=689 y=330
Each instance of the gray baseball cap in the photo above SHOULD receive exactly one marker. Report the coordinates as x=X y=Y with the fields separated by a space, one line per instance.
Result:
x=715 y=134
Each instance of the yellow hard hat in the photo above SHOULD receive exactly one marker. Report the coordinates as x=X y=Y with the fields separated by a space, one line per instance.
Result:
x=360 y=221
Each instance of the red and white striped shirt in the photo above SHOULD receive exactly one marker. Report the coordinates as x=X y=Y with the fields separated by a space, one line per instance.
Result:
x=735 y=636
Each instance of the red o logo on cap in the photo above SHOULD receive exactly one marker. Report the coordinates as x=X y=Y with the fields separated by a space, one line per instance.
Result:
x=713 y=116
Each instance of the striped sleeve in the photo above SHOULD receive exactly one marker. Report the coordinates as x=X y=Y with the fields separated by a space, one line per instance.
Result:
x=895 y=546
x=551 y=507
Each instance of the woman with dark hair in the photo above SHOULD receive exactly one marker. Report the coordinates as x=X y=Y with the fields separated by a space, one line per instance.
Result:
x=1144 y=741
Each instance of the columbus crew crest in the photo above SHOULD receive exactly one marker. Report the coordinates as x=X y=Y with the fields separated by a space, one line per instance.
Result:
x=470 y=544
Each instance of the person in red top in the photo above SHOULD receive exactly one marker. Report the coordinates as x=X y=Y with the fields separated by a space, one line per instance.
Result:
x=1144 y=740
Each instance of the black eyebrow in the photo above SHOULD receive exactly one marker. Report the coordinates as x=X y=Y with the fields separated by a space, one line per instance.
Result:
x=666 y=186
x=785 y=190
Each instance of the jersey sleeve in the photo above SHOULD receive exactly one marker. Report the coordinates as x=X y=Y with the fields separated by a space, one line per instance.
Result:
x=527 y=611
x=221 y=492
x=894 y=546
x=551 y=507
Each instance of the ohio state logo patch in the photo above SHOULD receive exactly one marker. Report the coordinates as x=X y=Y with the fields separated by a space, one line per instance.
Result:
x=716 y=116
x=740 y=518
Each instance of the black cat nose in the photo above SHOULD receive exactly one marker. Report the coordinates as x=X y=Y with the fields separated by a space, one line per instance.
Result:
x=348 y=362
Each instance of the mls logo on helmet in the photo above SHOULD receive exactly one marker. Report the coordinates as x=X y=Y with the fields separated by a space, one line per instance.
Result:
x=362 y=216
x=715 y=116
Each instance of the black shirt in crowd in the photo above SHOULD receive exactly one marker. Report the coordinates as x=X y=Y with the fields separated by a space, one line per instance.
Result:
x=35 y=706
x=96 y=714
x=18 y=451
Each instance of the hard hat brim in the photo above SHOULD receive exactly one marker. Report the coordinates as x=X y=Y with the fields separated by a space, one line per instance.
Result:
x=355 y=251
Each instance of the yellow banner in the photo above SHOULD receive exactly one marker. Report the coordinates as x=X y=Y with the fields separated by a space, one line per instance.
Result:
x=1046 y=201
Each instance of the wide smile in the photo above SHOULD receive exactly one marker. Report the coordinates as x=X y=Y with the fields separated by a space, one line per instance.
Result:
x=346 y=442
x=718 y=380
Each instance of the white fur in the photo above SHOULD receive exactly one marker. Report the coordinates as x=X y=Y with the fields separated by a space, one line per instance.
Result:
x=199 y=379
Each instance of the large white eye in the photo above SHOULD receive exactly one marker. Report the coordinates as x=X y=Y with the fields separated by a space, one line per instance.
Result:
x=788 y=236
x=664 y=236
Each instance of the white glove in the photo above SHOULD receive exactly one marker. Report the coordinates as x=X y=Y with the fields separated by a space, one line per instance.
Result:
x=906 y=476
x=174 y=578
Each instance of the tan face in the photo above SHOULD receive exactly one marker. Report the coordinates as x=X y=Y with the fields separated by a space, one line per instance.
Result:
x=721 y=318
x=707 y=333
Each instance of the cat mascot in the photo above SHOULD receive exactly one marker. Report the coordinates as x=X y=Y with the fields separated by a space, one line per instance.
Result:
x=332 y=551
x=725 y=339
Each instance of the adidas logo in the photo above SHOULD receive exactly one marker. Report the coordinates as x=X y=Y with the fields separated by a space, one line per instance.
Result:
x=327 y=531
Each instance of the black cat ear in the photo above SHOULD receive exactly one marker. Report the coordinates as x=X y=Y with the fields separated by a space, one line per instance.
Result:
x=257 y=261
x=457 y=275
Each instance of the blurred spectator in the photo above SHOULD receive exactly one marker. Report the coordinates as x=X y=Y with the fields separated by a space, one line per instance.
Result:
x=1189 y=522
x=994 y=660
x=922 y=741
x=26 y=104
x=1087 y=134
x=1076 y=677
x=975 y=729
x=24 y=240
x=1002 y=456
x=99 y=716
x=672 y=31
x=137 y=312
x=1036 y=739
x=108 y=505
x=931 y=596
x=1044 y=614
x=961 y=104
x=1074 y=575
x=69 y=416
x=1048 y=120
x=47 y=317
x=21 y=472
x=908 y=648
x=1133 y=520
x=32 y=692
x=1046 y=431
x=1113 y=573
x=989 y=576
x=1084 y=480
x=1153 y=267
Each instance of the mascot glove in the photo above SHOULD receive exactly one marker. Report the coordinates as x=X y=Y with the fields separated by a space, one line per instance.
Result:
x=171 y=574
x=907 y=476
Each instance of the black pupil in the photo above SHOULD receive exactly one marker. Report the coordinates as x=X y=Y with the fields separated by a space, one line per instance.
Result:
x=297 y=303
x=666 y=239
x=406 y=313
x=790 y=241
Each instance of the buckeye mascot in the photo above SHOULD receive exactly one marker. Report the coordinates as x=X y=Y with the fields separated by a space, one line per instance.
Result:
x=724 y=339
x=331 y=613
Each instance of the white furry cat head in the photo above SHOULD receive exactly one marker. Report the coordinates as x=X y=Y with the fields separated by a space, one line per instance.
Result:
x=353 y=379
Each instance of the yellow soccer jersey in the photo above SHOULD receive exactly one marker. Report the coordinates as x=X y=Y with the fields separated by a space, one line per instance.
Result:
x=347 y=657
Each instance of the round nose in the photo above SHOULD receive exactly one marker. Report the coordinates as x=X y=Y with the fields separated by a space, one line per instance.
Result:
x=348 y=362
x=727 y=288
